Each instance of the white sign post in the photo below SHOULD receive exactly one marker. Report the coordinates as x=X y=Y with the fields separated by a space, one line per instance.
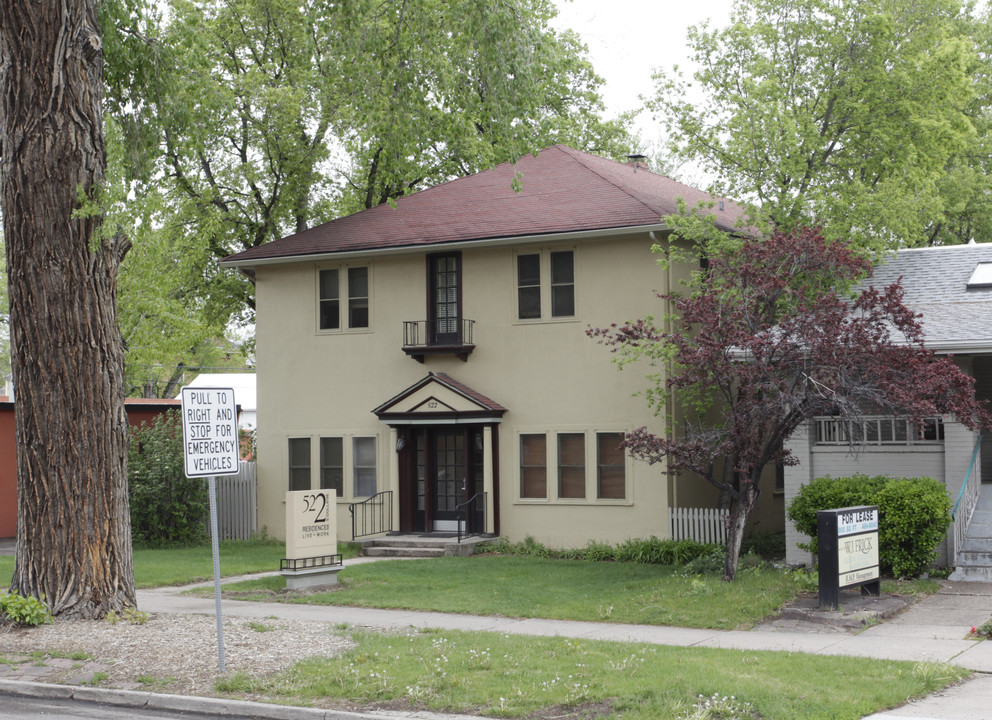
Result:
x=210 y=448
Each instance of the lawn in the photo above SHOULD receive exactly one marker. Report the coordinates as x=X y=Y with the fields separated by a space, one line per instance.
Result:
x=514 y=676
x=156 y=567
x=518 y=586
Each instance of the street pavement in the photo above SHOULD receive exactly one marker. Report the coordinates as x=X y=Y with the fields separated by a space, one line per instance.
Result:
x=935 y=629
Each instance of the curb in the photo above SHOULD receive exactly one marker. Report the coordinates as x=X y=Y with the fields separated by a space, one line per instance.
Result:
x=213 y=707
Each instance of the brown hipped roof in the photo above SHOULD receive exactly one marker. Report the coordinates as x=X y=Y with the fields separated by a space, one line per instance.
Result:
x=562 y=190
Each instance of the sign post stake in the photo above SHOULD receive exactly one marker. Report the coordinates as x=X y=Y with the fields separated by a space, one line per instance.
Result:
x=215 y=549
x=210 y=448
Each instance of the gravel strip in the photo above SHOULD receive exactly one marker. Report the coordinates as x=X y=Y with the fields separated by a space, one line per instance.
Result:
x=174 y=653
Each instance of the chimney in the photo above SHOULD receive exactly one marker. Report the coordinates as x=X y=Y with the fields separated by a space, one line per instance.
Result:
x=638 y=162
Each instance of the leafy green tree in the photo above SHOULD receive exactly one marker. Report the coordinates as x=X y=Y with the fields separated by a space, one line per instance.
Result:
x=274 y=115
x=860 y=115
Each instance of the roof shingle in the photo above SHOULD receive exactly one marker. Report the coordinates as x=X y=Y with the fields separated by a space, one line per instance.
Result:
x=563 y=190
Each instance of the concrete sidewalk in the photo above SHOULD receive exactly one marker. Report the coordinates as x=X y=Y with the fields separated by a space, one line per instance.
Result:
x=935 y=629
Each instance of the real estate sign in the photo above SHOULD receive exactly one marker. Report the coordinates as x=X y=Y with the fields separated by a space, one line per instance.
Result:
x=210 y=432
x=847 y=540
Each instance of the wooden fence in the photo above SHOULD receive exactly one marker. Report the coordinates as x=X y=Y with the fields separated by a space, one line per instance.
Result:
x=707 y=525
x=237 y=516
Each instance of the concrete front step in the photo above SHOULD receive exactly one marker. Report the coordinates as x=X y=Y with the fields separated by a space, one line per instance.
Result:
x=971 y=574
x=403 y=551
x=973 y=558
x=420 y=545
x=977 y=544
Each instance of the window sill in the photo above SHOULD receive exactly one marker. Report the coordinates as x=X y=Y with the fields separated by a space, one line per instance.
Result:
x=546 y=321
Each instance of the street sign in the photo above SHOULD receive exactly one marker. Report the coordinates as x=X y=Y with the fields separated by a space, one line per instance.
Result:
x=210 y=448
x=210 y=432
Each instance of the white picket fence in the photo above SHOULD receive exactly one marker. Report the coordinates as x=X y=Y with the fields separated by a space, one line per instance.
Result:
x=707 y=525
x=237 y=516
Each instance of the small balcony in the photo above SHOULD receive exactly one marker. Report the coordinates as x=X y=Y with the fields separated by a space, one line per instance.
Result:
x=438 y=337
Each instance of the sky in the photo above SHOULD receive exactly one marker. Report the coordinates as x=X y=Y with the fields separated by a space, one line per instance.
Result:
x=628 y=39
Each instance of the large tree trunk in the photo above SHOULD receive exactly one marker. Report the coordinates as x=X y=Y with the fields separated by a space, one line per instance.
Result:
x=73 y=528
x=738 y=521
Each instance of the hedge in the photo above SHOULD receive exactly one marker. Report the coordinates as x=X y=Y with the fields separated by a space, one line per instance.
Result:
x=913 y=516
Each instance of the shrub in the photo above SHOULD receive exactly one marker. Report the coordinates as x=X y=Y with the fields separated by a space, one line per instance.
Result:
x=166 y=507
x=913 y=515
x=23 y=609
x=650 y=551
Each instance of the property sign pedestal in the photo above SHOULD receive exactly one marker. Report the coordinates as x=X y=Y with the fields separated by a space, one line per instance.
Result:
x=847 y=540
x=312 y=558
x=210 y=448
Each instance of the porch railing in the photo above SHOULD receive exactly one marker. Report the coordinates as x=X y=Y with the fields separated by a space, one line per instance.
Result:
x=372 y=516
x=475 y=509
x=877 y=430
x=967 y=499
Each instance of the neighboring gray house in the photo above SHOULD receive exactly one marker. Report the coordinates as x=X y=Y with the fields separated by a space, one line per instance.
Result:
x=952 y=288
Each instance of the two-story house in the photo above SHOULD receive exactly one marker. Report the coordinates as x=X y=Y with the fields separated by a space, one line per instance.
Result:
x=437 y=351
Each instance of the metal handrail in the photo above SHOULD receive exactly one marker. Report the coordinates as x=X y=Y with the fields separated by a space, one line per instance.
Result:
x=967 y=477
x=376 y=514
x=460 y=509
x=420 y=333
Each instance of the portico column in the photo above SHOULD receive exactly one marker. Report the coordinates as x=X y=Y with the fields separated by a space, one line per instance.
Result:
x=487 y=477
x=394 y=475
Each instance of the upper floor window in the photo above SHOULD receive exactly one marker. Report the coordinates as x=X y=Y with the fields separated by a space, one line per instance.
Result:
x=546 y=285
x=343 y=298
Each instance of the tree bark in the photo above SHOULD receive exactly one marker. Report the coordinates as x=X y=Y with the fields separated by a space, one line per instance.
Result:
x=738 y=521
x=73 y=526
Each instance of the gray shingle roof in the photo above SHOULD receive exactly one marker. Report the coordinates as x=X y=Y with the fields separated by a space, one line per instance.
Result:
x=956 y=318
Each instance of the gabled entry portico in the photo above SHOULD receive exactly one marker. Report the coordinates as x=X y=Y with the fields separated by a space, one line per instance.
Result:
x=446 y=437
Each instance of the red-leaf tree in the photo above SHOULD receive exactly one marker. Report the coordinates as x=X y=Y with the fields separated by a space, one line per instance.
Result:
x=765 y=339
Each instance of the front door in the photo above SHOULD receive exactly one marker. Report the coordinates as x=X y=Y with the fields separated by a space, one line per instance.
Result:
x=442 y=469
x=450 y=477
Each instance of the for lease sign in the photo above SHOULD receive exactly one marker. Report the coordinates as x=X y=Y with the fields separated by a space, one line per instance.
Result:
x=210 y=431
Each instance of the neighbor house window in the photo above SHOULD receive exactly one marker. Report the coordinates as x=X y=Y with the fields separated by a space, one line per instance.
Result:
x=571 y=465
x=364 y=466
x=299 y=464
x=343 y=298
x=610 y=467
x=332 y=464
x=546 y=285
x=533 y=466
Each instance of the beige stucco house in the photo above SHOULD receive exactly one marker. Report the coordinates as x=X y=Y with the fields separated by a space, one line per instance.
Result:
x=437 y=351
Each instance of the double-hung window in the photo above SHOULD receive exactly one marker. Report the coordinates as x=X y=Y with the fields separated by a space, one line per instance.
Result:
x=585 y=466
x=364 y=466
x=545 y=285
x=299 y=463
x=343 y=298
x=332 y=464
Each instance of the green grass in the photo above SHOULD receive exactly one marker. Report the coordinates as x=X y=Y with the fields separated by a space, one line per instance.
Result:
x=518 y=586
x=156 y=567
x=513 y=676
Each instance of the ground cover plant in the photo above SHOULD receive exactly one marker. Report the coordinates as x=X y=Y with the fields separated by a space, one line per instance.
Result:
x=512 y=676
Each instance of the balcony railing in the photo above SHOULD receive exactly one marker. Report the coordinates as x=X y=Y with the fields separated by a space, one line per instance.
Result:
x=438 y=337
x=877 y=430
